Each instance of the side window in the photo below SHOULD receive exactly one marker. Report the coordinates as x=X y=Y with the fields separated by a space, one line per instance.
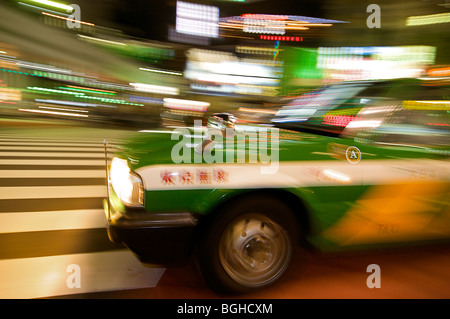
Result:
x=426 y=118
x=416 y=128
x=402 y=123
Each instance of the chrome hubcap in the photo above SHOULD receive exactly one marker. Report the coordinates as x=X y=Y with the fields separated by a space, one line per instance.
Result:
x=254 y=250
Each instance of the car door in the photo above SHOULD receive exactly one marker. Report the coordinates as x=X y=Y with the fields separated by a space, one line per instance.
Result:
x=404 y=152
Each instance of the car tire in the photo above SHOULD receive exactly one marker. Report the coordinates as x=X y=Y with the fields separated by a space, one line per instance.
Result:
x=248 y=245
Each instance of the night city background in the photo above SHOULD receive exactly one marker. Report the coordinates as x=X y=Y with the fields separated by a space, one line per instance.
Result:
x=74 y=74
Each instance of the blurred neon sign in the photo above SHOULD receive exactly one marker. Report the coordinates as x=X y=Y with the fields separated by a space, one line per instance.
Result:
x=281 y=38
x=197 y=19
x=338 y=120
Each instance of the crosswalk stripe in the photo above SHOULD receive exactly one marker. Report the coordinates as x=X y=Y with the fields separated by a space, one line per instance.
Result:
x=52 y=162
x=54 y=220
x=22 y=192
x=39 y=277
x=52 y=154
x=85 y=145
x=47 y=229
x=48 y=148
x=52 y=173
x=56 y=142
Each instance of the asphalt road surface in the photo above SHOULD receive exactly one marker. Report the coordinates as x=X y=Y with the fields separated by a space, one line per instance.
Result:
x=407 y=273
x=52 y=224
x=53 y=243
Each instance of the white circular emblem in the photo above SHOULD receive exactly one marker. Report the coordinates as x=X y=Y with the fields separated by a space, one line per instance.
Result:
x=353 y=154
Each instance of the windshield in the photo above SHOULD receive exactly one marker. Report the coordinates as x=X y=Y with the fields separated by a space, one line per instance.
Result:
x=327 y=110
x=403 y=123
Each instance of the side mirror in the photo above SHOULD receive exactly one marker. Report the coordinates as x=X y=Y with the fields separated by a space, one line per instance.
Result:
x=225 y=122
x=218 y=124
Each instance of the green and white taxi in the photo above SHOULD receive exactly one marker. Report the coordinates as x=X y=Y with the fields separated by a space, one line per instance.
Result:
x=348 y=166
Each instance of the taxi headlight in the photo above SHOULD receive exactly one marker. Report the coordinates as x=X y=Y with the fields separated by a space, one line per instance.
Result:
x=127 y=185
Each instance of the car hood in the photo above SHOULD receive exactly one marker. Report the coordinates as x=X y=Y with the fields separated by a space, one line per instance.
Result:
x=158 y=147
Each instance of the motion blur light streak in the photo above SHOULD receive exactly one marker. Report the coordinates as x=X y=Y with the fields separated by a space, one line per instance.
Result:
x=61 y=109
x=52 y=90
x=439 y=71
x=155 y=88
x=438 y=124
x=428 y=19
x=162 y=71
x=155 y=131
x=10 y=94
x=69 y=103
x=90 y=89
x=67 y=19
x=267 y=24
x=54 y=4
x=426 y=105
x=101 y=40
x=83 y=96
x=53 y=113
x=256 y=50
x=262 y=111
x=186 y=104
x=41 y=8
x=36 y=66
x=79 y=89
x=341 y=177
x=364 y=123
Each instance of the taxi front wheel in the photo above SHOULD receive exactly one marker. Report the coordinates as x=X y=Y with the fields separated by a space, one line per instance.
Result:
x=248 y=245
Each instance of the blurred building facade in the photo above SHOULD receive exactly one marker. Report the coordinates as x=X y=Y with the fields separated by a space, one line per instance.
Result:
x=394 y=30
